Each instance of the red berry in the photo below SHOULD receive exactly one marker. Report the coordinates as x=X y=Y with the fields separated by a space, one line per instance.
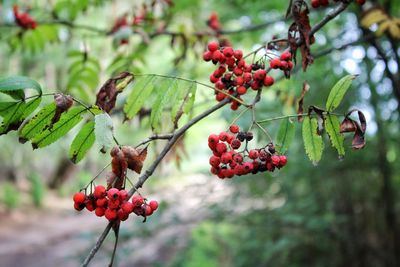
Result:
x=284 y=65
x=230 y=61
x=100 y=211
x=260 y=75
x=114 y=204
x=110 y=214
x=290 y=65
x=234 y=128
x=99 y=191
x=282 y=160
x=241 y=90
x=221 y=148
x=79 y=206
x=226 y=158
x=79 y=197
x=113 y=193
x=238 y=158
x=148 y=210
x=253 y=154
x=286 y=56
x=315 y=3
x=361 y=2
x=275 y=160
x=255 y=85
x=228 y=51
x=235 y=105
x=213 y=79
x=238 y=54
x=90 y=205
x=268 y=81
x=153 y=205
x=122 y=215
x=220 y=96
x=237 y=71
x=217 y=55
x=101 y=202
x=213 y=138
x=137 y=200
x=127 y=207
x=275 y=63
x=123 y=195
x=241 y=63
x=223 y=136
x=247 y=68
x=235 y=144
x=238 y=80
x=324 y=2
x=213 y=46
x=247 y=77
x=248 y=167
x=214 y=161
x=207 y=56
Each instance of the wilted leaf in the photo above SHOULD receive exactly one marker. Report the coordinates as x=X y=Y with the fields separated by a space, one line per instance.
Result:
x=63 y=103
x=103 y=130
x=135 y=157
x=107 y=95
x=349 y=125
x=300 y=110
x=119 y=167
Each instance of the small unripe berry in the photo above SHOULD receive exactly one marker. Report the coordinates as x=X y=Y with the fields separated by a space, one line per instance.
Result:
x=213 y=46
x=79 y=197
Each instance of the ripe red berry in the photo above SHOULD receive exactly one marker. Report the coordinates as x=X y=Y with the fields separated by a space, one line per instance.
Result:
x=237 y=71
x=207 y=55
x=238 y=54
x=137 y=200
x=275 y=160
x=213 y=138
x=127 y=207
x=253 y=154
x=268 y=81
x=148 y=210
x=221 y=148
x=284 y=65
x=114 y=204
x=286 y=56
x=217 y=55
x=223 y=136
x=260 y=75
x=100 y=211
x=238 y=158
x=238 y=80
x=213 y=46
x=153 y=205
x=275 y=63
x=220 y=96
x=110 y=214
x=79 y=197
x=226 y=158
x=241 y=90
x=230 y=61
x=361 y=2
x=99 y=191
x=122 y=215
x=235 y=144
x=90 y=205
x=315 y=3
x=113 y=193
x=214 y=161
x=101 y=202
x=235 y=105
x=324 y=2
x=255 y=85
x=123 y=195
x=79 y=206
x=282 y=160
x=228 y=51
x=234 y=128
x=290 y=65
x=247 y=77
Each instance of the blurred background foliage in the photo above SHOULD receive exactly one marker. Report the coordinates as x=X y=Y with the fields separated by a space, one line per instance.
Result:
x=339 y=213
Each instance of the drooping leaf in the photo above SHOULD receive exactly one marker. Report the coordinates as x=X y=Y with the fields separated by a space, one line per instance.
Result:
x=82 y=142
x=285 y=135
x=38 y=123
x=107 y=95
x=16 y=113
x=63 y=103
x=164 y=96
x=313 y=143
x=141 y=90
x=359 y=129
x=103 y=130
x=332 y=126
x=135 y=157
x=67 y=121
x=17 y=84
x=338 y=91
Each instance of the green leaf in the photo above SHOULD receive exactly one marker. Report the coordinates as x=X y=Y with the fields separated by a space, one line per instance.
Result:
x=332 y=126
x=67 y=121
x=285 y=135
x=16 y=114
x=183 y=100
x=103 y=131
x=165 y=94
x=312 y=141
x=13 y=84
x=141 y=90
x=82 y=142
x=338 y=91
x=38 y=123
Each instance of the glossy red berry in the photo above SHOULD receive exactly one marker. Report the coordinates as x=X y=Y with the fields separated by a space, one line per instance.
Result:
x=260 y=75
x=226 y=158
x=99 y=191
x=148 y=210
x=238 y=54
x=213 y=138
x=127 y=207
x=223 y=136
x=282 y=160
x=275 y=63
x=214 y=161
x=207 y=55
x=275 y=160
x=234 y=128
x=113 y=194
x=123 y=195
x=153 y=205
x=137 y=200
x=79 y=197
x=213 y=46
x=100 y=211
x=228 y=51
x=268 y=81
x=221 y=148
x=286 y=56
x=110 y=214
x=101 y=202
x=235 y=144
x=241 y=90
x=253 y=154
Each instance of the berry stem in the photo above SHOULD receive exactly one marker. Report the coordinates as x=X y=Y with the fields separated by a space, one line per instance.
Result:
x=295 y=116
x=240 y=115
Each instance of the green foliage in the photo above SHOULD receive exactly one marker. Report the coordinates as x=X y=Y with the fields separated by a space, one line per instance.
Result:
x=338 y=91
x=67 y=121
x=15 y=84
x=38 y=190
x=11 y=195
x=83 y=141
x=285 y=135
x=14 y=113
x=38 y=123
x=141 y=91
x=103 y=131
x=313 y=143
x=332 y=126
x=83 y=75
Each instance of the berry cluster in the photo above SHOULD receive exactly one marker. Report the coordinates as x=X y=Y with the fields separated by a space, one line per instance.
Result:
x=319 y=3
x=233 y=75
x=284 y=62
x=113 y=203
x=226 y=161
x=24 y=20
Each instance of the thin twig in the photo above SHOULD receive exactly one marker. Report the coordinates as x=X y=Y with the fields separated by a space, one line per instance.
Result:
x=155 y=137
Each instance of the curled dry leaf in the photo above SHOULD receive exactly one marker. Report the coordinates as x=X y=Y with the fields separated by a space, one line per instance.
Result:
x=320 y=118
x=300 y=109
x=63 y=103
x=135 y=157
x=350 y=125
x=119 y=167
x=107 y=95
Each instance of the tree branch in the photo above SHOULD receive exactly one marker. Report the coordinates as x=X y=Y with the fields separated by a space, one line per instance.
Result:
x=331 y=15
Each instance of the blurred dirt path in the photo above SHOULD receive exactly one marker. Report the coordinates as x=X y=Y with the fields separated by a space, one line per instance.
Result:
x=58 y=236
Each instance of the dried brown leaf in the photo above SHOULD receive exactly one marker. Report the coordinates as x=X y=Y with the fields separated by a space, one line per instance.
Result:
x=63 y=103
x=300 y=109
